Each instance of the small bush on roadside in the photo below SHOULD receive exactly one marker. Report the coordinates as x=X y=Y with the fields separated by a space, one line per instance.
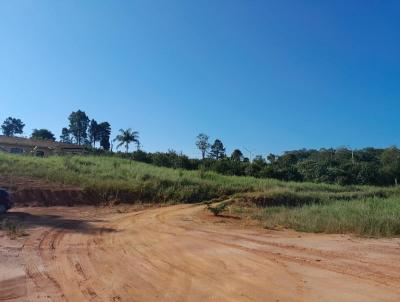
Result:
x=218 y=209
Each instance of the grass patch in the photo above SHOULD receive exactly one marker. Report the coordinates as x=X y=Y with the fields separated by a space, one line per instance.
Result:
x=371 y=217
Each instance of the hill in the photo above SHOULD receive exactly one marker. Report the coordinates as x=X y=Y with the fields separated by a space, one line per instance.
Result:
x=102 y=179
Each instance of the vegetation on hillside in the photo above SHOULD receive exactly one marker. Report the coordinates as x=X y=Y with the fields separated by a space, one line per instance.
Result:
x=336 y=166
x=372 y=217
x=342 y=166
x=305 y=206
x=136 y=180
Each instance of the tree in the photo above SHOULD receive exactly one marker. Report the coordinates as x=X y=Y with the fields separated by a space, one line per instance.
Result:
x=390 y=161
x=237 y=155
x=78 y=125
x=272 y=158
x=203 y=144
x=12 y=126
x=104 y=130
x=217 y=150
x=65 y=136
x=93 y=131
x=43 y=134
x=126 y=137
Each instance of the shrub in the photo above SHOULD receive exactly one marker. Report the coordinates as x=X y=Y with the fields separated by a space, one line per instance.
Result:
x=218 y=209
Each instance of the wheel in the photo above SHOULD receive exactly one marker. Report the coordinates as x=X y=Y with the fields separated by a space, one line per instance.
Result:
x=3 y=209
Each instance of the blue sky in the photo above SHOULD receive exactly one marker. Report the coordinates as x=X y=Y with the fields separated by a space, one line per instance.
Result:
x=264 y=75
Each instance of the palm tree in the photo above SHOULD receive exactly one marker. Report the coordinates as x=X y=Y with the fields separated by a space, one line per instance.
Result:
x=125 y=137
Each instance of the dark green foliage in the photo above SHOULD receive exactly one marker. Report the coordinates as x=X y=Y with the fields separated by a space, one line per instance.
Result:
x=218 y=209
x=126 y=137
x=390 y=165
x=65 y=136
x=217 y=150
x=78 y=125
x=342 y=166
x=12 y=126
x=104 y=132
x=366 y=167
x=93 y=132
x=99 y=132
x=237 y=155
x=43 y=134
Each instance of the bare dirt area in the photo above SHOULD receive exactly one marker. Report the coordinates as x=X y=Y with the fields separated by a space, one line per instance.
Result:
x=179 y=253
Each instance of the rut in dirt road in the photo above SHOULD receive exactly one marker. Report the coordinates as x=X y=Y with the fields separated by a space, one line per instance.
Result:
x=172 y=254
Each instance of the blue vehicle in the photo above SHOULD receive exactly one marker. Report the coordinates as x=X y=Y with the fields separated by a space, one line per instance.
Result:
x=5 y=201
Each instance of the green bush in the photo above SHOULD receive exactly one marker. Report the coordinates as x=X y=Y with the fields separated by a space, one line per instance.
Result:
x=218 y=209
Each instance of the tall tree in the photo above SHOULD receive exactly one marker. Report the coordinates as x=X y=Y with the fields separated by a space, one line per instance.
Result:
x=390 y=162
x=126 y=137
x=94 y=132
x=12 y=126
x=43 y=134
x=104 y=135
x=217 y=150
x=65 y=136
x=78 y=125
x=237 y=155
x=203 y=144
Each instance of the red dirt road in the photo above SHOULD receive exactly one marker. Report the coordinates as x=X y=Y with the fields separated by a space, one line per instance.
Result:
x=172 y=254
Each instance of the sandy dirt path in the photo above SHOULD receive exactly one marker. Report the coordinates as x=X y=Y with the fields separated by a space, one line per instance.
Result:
x=173 y=254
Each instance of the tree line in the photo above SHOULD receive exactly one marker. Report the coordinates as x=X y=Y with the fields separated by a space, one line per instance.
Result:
x=81 y=130
x=368 y=166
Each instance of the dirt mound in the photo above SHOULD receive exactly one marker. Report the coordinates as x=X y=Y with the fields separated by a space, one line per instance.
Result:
x=31 y=192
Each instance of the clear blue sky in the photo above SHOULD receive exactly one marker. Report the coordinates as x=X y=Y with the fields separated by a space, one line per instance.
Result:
x=266 y=75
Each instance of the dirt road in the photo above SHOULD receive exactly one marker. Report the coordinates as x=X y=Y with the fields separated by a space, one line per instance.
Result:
x=174 y=254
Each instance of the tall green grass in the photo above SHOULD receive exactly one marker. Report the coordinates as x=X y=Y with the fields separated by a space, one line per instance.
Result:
x=126 y=179
x=372 y=217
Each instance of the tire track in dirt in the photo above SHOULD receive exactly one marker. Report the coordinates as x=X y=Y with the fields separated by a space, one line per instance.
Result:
x=341 y=262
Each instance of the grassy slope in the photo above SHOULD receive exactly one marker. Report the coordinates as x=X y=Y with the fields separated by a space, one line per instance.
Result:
x=376 y=217
x=121 y=175
x=314 y=207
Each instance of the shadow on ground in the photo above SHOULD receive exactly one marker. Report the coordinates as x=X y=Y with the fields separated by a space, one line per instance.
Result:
x=28 y=220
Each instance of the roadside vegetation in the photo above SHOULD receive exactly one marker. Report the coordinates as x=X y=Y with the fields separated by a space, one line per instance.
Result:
x=341 y=165
x=303 y=206
x=337 y=190
x=371 y=217
x=129 y=181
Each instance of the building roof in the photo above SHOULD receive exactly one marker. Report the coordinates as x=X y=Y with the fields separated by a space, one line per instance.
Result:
x=13 y=140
